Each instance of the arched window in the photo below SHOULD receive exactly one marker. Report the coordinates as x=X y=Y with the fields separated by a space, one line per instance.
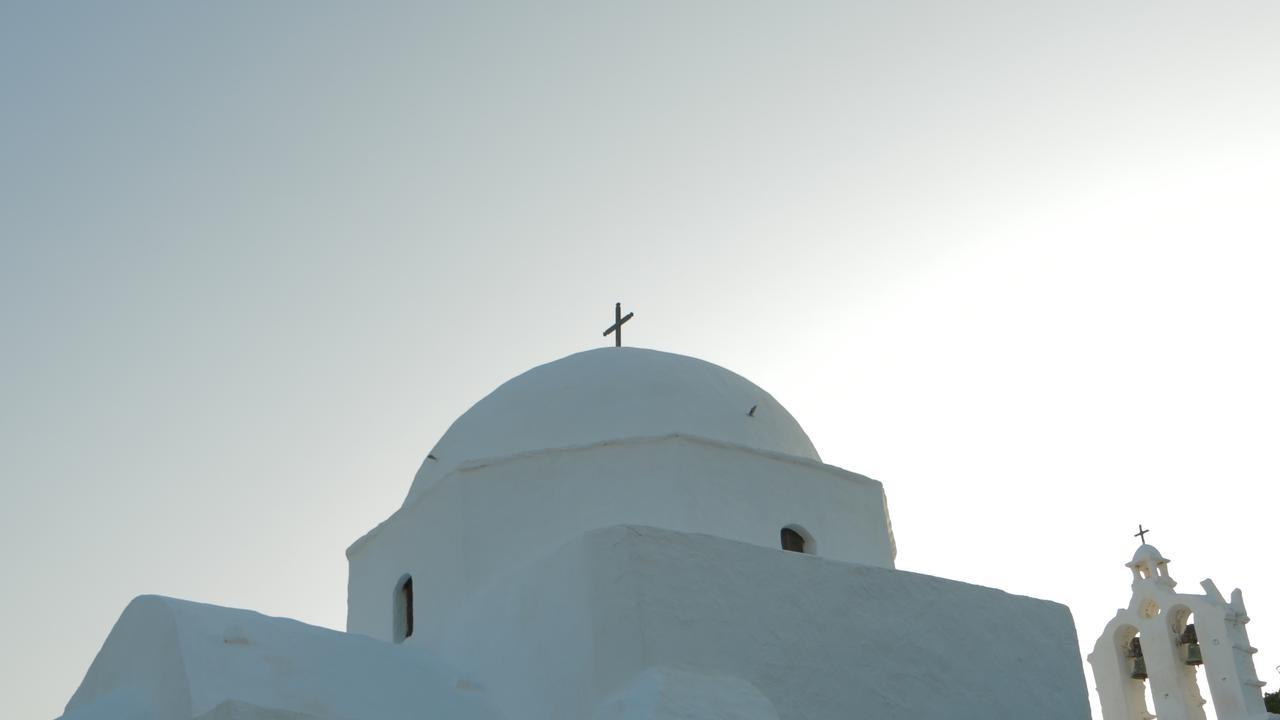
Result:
x=402 y=621
x=793 y=541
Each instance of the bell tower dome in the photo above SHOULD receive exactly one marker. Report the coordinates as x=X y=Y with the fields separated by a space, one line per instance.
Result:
x=1149 y=564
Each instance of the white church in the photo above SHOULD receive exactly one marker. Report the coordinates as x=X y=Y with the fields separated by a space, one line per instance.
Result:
x=626 y=534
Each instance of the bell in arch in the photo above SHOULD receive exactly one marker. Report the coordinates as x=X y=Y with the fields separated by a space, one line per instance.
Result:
x=1138 y=664
x=1190 y=646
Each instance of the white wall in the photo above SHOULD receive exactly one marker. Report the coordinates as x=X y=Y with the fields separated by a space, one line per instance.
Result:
x=169 y=659
x=491 y=516
x=821 y=640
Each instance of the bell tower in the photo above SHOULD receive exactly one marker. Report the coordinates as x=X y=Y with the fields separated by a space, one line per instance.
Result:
x=1167 y=645
x=1148 y=565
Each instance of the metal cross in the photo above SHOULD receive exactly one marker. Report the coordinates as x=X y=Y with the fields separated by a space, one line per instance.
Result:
x=616 y=327
x=1141 y=534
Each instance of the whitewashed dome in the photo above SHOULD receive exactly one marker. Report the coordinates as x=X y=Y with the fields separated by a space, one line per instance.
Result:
x=613 y=394
x=1147 y=553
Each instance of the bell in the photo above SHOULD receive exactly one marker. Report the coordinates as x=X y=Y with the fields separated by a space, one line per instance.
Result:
x=1193 y=654
x=1134 y=650
x=1139 y=669
x=1191 y=645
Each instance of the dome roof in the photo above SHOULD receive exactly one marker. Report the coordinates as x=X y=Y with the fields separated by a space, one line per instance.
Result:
x=1146 y=553
x=612 y=394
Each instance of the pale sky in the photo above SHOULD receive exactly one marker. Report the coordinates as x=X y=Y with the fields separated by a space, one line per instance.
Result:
x=1016 y=260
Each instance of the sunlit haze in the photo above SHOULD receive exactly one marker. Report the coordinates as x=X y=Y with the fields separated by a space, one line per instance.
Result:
x=1015 y=260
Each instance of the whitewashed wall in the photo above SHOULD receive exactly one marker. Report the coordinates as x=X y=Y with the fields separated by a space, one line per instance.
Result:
x=804 y=637
x=488 y=517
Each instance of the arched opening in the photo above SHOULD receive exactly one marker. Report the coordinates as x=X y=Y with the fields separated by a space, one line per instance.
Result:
x=1138 y=696
x=1182 y=624
x=796 y=539
x=402 y=613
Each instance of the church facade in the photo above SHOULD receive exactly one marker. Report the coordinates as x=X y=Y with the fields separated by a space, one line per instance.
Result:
x=621 y=533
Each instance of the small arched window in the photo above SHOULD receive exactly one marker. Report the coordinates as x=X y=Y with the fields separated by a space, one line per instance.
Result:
x=402 y=622
x=792 y=540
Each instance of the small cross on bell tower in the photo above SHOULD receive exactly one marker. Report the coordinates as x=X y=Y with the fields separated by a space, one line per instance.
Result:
x=1141 y=534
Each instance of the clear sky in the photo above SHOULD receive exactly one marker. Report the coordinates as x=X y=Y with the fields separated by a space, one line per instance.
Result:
x=1017 y=260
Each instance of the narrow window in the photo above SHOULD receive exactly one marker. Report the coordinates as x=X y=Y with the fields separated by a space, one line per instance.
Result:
x=792 y=540
x=403 y=618
x=407 y=591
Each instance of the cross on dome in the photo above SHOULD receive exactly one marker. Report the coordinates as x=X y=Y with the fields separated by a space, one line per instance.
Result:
x=616 y=327
x=1141 y=534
